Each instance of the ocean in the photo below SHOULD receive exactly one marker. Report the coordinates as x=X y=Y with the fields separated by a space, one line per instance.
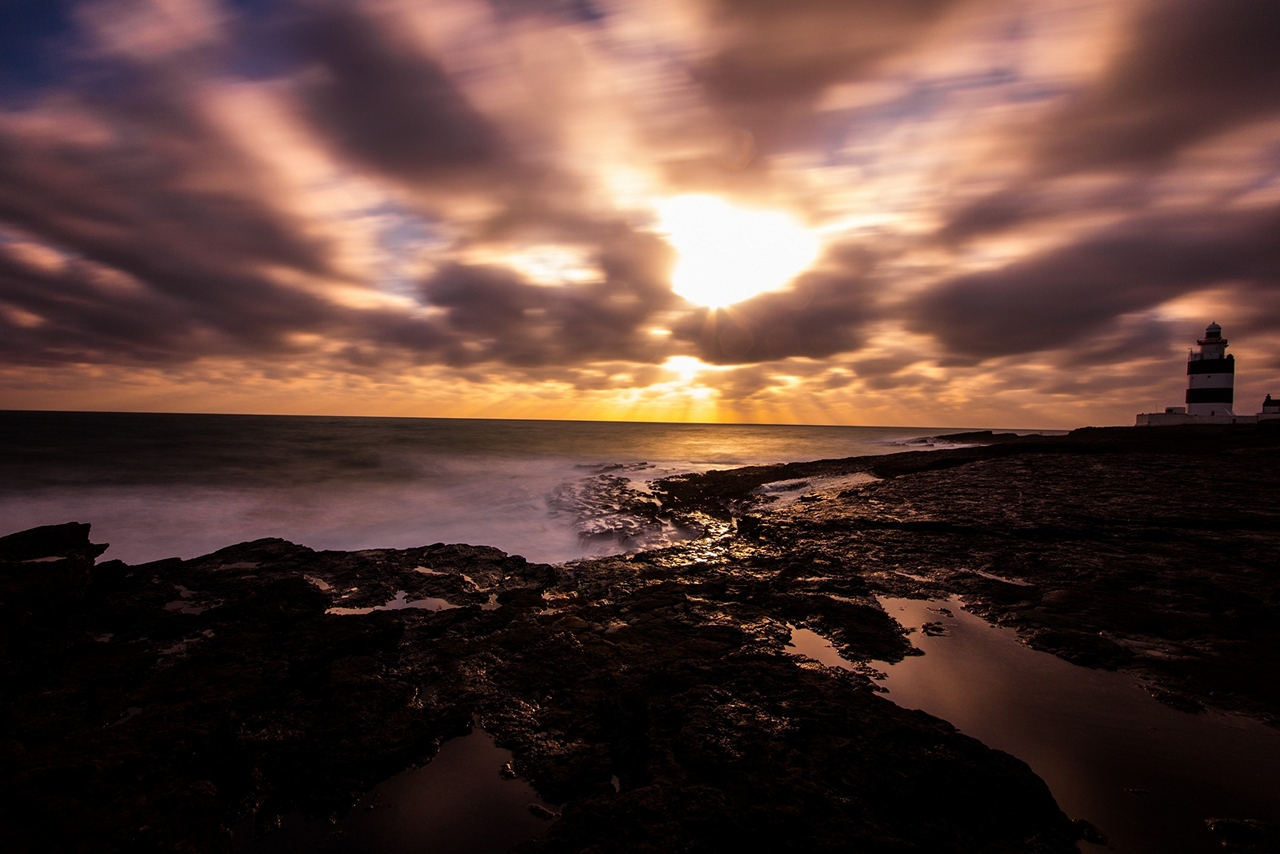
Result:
x=172 y=485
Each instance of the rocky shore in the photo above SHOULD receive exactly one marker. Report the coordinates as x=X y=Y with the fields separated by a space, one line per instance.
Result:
x=1152 y=550
x=159 y=706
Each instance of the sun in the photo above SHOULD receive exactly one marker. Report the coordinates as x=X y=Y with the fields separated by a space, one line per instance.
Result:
x=726 y=254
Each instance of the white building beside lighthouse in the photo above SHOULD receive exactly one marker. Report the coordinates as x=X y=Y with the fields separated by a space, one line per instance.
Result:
x=1211 y=379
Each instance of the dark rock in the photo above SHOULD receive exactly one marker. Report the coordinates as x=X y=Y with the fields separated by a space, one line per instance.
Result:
x=979 y=437
x=1089 y=833
x=1246 y=836
x=62 y=541
x=1085 y=543
x=247 y=701
x=1083 y=648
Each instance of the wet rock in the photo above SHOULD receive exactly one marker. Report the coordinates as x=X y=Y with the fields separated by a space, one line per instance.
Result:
x=1089 y=833
x=50 y=541
x=607 y=507
x=43 y=568
x=668 y=674
x=1083 y=648
x=1246 y=836
x=1086 y=544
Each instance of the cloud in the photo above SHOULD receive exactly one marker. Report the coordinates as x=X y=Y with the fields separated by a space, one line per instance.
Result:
x=1058 y=297
x=819 y=315
x=463 y=193
x=1187 y=71
x=497 y=316
x=391 y=107
x=772 y=62
x=141 y=185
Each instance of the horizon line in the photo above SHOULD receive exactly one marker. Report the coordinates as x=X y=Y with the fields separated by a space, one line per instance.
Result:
x=6 y=410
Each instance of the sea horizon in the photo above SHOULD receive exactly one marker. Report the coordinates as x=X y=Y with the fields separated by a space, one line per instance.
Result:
x=958 y=429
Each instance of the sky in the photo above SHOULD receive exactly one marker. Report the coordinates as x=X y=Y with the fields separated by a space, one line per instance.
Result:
x=1014 y=213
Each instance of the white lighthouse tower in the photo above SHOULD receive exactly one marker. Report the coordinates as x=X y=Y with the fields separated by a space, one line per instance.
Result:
x=1211 y=376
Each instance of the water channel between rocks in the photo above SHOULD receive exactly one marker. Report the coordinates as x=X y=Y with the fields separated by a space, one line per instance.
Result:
x=458 y=803
x=1147 y=775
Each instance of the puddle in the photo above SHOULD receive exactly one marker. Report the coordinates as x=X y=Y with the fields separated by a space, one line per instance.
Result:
x=812 y=645
x=401 y=602
x=129 y=714
x=1147 y=775
x=459 y=803
x=786 y=492
x=428 y=571
x=1014 y=581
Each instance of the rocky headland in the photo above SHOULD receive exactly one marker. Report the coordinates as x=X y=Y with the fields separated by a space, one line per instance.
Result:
x=190 y=705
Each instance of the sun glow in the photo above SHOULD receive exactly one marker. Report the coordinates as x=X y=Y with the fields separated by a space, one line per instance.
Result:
x=727 y=254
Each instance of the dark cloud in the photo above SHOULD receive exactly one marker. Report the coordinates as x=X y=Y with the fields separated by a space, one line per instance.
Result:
x=1130 y=340
x=1191 y=69
x=994 y=212
x=570 y=11
x=380 y=102
x=775 y=60
x=157 y=197
x=1030 y=203
x=1188 y=71
x=783 y=51
x=1058 y=297
x=823 y=313
x=389 y=106
x=497 y=316
x=143 y=185
x=68 y=320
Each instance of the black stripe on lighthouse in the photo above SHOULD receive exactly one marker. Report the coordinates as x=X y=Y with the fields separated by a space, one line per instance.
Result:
x=1210 y=395
x=1212 y=366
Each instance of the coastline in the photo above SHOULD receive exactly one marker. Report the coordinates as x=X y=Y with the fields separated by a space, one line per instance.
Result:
x=1147 y=549
x=666 y=670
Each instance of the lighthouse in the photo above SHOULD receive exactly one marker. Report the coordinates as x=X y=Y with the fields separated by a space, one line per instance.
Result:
x=1211 y=379
x=1211 y=376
